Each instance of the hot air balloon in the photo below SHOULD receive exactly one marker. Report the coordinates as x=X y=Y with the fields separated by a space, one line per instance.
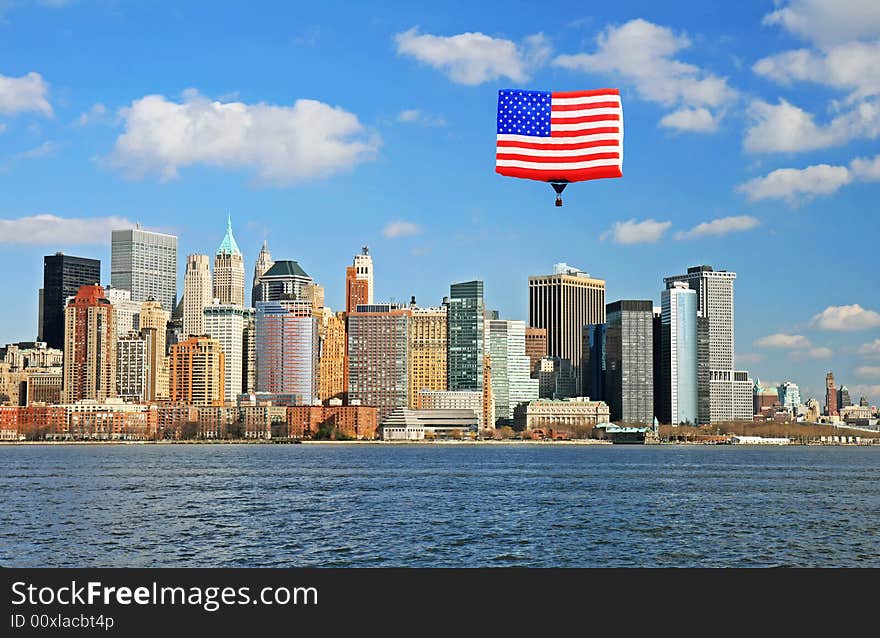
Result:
x=559 y=137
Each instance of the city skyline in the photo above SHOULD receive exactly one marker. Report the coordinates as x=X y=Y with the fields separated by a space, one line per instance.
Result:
x=806 y=290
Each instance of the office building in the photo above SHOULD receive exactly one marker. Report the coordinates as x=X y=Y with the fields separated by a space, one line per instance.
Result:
x=197 y=369
x=629 y=361
x=562 y=304
x=592 y=370
x=286 y=341
x=283 y=281
x=357 y=291
x=63 y=275
x=679 y=344
x=843 y=398
x=145 y=263
x=229 y=270
x=196 y=294
x=789 y=396
x=556 y=378
x=264 y=263
x=89 y=346
x=332 y=365
x=830 y=396
x=127 y=312
x=536 y=347
x=511 y=381
x=466 y=339
x=227 y=324
x=378 y=362
x=132 y=368
x=428 y=349
x=154 y=319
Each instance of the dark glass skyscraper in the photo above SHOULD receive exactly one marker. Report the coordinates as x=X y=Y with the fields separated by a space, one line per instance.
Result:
x=465 y=316
x=593 y=362
x=629 y=361
x=62 y=277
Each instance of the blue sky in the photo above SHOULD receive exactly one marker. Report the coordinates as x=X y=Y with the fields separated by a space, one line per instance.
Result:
x=751 y=144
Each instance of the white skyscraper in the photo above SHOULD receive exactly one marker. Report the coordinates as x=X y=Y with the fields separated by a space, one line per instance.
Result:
x=228 y=324
x=229 y=270
x=511 y=367
x=145 y=263
x=196 y=294
x=723 y=393
x=125 y=310
x=363 y=265
x=677 y=384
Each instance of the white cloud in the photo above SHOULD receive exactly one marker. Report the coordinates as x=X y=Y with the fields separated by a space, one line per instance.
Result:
x=283 y=144
x=784 y=127
x=827 y=22
x=848 y=67
x=43 y=150
x=63 y=231
x=720 y=226
x=782 y=340
x=28 y=93
x=635 y=232
x=643 y=54
x=864 y=390
x=867 y=169
x=401 y=229
x=819 y=353
x=415 y=116
x=95 y=113
x=699 y=120
x=473 y=58
x=846 y=318
x=793 y=184
x=868 y=371
x=871 y=348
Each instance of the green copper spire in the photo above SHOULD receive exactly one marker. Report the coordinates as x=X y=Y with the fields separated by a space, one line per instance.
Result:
x=228 y=246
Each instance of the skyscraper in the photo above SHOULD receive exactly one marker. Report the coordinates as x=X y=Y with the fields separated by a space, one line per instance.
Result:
x=629 y=361
x=126 y=311
x=287 y=349
x=153 y=318
x=830 y=395
x=465 y=316
x=89 y=346
x=789 y=396
x=511 y=381
x=378 y=357
x=63 y=275
x=593 y=362
x=563 y=303
x=145 y=263
x=197 y=372
x=131 y=366
x=428 y=350
x=264 y=263
x=196 y=294
x=283 y=281
x=229 y=270
x=679 y=343
x=357 y=291
x=536 y=346
x=363 y=266
x=843 y=398
x=723 y=393
x=331 y=364
x=227 y=324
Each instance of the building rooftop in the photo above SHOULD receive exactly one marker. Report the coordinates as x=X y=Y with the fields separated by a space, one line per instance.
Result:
x=285 y=268
x=228 y=246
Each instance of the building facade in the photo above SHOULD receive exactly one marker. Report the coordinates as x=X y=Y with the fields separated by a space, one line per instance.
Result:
x=568 y=415
x=789 y=396
x=196 y=294
x=145 y=263
x=378 y=361
x=536 y=347
x=428 y=348
x=629 y=361
x=466 y=338
x=131 y=367
x=283 y=281
x=197 y=372
x=562 y=304
x=229 y=270
x=286 y=341
x=228 y=324
x=264 y=263
x=511 y=382
x=127 y=311
x=453 y=400
x=830 y=395
x=63 y=275
x=679 y=344
x=331 y=362
x=363 y=269
x=556 y=378
x=89 y=346
x=153 y=322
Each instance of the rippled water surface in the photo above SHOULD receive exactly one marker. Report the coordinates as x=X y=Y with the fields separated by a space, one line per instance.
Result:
x=442 y=505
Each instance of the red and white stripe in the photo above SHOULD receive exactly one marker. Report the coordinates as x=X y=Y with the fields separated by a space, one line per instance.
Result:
x=586 y=141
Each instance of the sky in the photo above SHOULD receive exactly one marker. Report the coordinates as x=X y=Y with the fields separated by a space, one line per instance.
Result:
x=751 y=144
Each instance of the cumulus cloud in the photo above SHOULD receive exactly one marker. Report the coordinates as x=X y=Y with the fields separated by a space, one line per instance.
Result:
x=794 y=184
x=54 y=230
x=782 y=340
x=420 y=118
x=95 y=113
x=283 y=144
x=846 y=318
x=867 y=169
x=643 y=54
x=871 y=349
x=699 y=120
x=636 y=232
x=818 y=353
x=720 y=226
x=784 y=127
x=473 y=58
x=828 y=22
x=27 y=93
x=868 y=371
x=401 y=229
